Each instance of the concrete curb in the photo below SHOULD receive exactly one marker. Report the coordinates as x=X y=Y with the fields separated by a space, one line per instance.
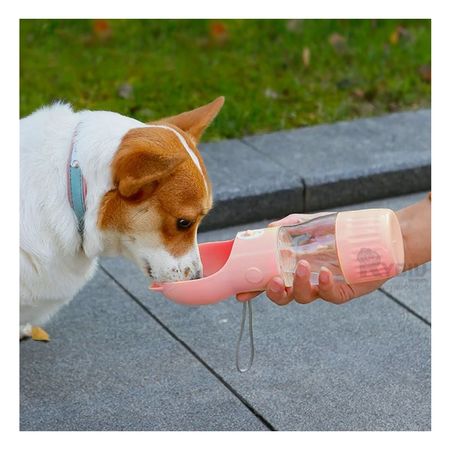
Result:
x=315 y=168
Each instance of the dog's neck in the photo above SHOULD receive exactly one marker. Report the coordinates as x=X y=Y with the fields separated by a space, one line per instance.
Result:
x=98 y=137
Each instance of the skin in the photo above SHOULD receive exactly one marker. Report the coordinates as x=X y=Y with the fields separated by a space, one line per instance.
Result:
x=415 y=221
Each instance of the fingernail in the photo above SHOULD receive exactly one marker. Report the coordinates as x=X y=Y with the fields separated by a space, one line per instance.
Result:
x=276 y=286
x=301 y=270
x=324 y=276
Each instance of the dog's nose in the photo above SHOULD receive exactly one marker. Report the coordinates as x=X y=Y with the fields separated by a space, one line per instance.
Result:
x=191 y=275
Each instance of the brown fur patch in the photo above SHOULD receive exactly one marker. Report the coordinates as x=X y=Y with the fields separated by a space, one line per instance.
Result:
x=196 y=121
x=157 y=183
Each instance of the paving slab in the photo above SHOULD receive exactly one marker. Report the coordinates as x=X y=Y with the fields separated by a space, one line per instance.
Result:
x=361 y=366
x=413 y=289
x=364 y=365
x=110 y=366
x=246 y=182
x=355 y=161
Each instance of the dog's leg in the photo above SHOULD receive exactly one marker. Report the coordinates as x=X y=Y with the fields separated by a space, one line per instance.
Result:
x=35 y=333
x=33 y=316
x=25 y=331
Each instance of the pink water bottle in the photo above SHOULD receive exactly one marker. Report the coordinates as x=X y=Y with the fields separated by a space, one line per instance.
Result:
x=356 y=246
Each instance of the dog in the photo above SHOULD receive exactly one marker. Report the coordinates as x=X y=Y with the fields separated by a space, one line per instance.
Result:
x=97 y=183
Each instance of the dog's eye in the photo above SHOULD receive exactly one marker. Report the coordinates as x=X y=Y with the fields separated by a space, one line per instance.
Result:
x=184 y=224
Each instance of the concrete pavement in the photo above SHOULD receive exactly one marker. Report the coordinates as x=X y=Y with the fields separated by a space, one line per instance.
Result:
x=122 y=358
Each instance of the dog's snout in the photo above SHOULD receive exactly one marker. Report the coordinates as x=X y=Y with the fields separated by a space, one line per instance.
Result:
x=198 y=274
x=192 y=275
x=169 y=269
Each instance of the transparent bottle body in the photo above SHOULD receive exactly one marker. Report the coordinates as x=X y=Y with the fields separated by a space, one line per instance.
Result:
x=313 y=241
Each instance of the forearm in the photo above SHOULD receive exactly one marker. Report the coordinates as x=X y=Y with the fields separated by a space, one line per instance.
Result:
x=415 y=223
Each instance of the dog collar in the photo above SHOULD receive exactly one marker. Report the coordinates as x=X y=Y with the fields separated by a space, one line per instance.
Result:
x=76 y=185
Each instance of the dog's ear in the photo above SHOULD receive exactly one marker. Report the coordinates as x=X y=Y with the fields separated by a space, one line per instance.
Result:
x=140 y=163
x=196 y=121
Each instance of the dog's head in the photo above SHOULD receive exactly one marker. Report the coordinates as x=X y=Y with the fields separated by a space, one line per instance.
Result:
x=162 y=192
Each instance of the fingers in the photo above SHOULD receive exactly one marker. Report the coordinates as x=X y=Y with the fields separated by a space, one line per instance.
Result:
x=329 y=290
x=303 y=291
x=292 y=219
x=246 y=296
x=277 y=292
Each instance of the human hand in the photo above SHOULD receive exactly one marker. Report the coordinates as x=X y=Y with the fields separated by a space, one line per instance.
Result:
x=302 y=290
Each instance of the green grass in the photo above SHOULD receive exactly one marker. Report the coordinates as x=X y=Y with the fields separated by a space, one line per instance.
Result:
x=176 y=65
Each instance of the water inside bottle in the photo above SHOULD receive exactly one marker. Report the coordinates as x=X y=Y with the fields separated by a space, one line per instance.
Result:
x=313 y=241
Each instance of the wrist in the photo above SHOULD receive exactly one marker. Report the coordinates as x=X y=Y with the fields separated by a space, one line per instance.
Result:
x=415 y=225
x=404 y=226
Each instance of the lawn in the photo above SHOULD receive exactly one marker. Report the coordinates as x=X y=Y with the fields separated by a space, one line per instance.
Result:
x=275 y=74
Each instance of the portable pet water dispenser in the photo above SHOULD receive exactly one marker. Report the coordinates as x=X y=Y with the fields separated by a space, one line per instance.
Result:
x=356 y=246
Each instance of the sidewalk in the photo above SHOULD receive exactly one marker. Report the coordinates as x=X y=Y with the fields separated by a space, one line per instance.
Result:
x=318 y=167
x=122 y=358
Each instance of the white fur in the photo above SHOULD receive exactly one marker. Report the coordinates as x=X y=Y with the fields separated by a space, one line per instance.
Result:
x=54 y=261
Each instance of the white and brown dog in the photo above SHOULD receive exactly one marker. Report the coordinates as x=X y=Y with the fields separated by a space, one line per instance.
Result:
x=144 y=191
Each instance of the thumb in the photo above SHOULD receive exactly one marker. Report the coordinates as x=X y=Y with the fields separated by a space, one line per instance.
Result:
x=295 y=219
x=292 y=219
x=331 y=291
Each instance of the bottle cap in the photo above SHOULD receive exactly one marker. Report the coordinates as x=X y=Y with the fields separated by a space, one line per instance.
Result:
x=369 y=245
